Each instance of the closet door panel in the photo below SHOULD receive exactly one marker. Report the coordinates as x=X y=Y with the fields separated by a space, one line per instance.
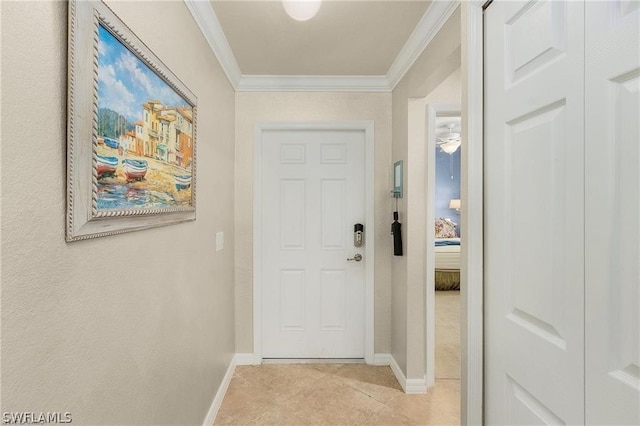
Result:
x=612 y=216
x=534 y=206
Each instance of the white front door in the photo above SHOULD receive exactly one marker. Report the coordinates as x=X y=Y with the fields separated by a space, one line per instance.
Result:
x=534 y=213
x=612 y=82
x=313 y=193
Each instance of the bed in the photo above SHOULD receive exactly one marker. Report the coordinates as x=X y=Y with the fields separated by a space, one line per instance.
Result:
x=447 y=264
x=447 y=256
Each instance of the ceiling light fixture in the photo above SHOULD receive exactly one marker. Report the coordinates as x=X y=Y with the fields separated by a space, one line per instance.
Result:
x=450 y=144
x=301 y=10
x=450 y=147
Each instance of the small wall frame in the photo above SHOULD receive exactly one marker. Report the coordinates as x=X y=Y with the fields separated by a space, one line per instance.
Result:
x=131 y=131
x=398 y=186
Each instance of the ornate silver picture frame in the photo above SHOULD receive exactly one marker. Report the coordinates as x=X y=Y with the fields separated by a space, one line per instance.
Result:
x=131 y=131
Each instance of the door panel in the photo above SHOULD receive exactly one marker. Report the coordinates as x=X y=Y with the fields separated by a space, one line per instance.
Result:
x=292 y=306
x=332 y=219
x=534 y=148
x=525 y=55
x=292 y=214
x=333 y=300
x=534 y=236
x=526 y=408
x=313 y=194
x=612 y=212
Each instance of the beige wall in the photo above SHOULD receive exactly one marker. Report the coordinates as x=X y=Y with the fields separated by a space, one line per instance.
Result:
x=129 y=329
x=252 y=108
x=113 y=333
x=435 y=65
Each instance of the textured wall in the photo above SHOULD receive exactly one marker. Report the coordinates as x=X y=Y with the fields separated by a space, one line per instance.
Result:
x=130 y=329
x=252 y=108
x=438 y=61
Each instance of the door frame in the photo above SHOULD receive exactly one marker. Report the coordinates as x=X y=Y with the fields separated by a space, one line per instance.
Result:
x=472 y=266
x=433 y=111
x=365 y=125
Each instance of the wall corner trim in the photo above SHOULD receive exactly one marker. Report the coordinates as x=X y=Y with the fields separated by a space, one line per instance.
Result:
x=313 y=83
x=472 y=266
x=430 y=24
x=409 y=386
x=207 y=21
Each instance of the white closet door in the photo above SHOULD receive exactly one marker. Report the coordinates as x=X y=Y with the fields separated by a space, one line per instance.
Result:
x=534 y=203
x=612 y=84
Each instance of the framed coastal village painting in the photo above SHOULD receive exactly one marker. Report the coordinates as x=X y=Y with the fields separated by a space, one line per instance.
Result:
x=131 y=131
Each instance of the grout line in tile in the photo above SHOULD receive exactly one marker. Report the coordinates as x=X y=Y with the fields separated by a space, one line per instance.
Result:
x=370 y=396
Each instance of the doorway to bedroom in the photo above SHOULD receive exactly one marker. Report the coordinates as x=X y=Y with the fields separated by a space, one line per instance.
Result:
x=447 y=248
x=444 y=148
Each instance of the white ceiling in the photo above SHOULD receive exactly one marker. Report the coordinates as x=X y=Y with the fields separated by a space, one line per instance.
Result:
x=350 y=45
x=344 y=38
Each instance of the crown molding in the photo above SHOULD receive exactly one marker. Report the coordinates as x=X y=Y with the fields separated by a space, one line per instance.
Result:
x=313 y=83
x=429 y=25
x=207 y=21
x=432 y=21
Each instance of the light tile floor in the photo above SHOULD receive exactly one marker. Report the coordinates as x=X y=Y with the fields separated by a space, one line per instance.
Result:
x=333 y=394
x=349 y=394
x=447 y=334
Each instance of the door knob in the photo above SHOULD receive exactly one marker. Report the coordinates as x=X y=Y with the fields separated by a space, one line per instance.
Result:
x=357 y=258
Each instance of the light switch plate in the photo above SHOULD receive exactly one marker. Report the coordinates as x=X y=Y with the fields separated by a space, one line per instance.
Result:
x=219 y=241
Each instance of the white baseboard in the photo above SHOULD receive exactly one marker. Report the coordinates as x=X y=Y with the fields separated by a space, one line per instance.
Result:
x=408 y=385
x=382 y=359
x=222 y=390
x=247 y=359
x=238 y=359
x=416 y=386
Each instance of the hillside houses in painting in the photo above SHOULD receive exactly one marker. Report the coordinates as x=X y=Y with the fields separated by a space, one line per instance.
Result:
x=164 y=133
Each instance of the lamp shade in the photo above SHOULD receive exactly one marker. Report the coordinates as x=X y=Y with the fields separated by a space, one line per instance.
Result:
x=454 y=204
x=301 y=10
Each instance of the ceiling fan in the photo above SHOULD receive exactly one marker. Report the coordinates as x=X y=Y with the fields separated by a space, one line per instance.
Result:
x=450 y=142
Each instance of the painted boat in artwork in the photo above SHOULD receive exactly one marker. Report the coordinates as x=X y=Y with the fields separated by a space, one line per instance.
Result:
x=111 y=143
x=106 y=166
x=134 y=169
x=182 y=181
